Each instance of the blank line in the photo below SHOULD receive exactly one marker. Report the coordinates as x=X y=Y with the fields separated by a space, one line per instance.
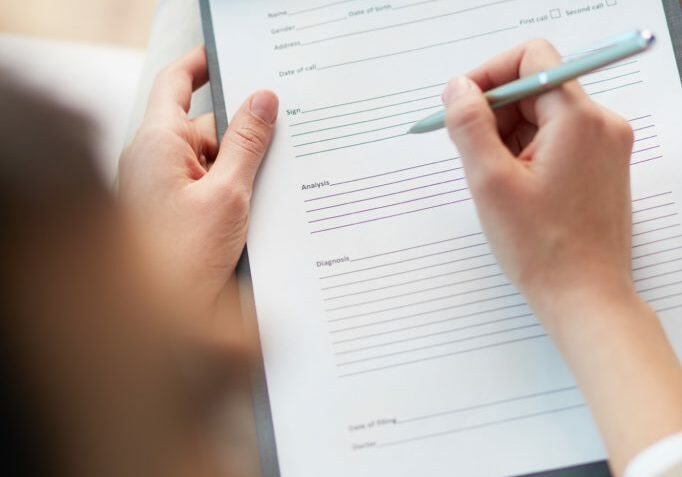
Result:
x=382 y=207
x=654 y=265
x=410 y=271
x=431 y=174
x=652 y=196
x=391 y=216
x=646 y=160
x=612 y=78
x=644 y=127
x=424 y=302
x=669 y=308
x=660 y=287
x=411 y=282
x=488 y=404
x=658 y=241
x=369 y=131
x=412 y=259
x=480 y=348
x=477 y=234
x=647 y=149
x=638 y=118
x=412 y=50
x=411 y=22
x=480 y=426
x=666 y=274
x=306 y=10
x=615 y=88
x=307 y=27
x=438 y=85
x=363 y=111
x=384 y=196
x=352 y=145
x=417 y=292
x=423 y=313
x=654 y=230
x=664 y=297
x=430 y=335
x=448 y=343
x=653 y=208
x=655 y=218
x=658 y=252
x=396 y=171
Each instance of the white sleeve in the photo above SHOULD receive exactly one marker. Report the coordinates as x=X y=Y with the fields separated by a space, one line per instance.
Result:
x=663 y=459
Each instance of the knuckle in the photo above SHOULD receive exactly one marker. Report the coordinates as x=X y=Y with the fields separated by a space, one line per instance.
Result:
x=542 y=45
x=488 y=179
x=238 y=200
x=250 y=138
x=622 y=130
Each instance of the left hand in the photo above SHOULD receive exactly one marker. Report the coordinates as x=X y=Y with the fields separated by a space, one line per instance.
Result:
x=192 y=194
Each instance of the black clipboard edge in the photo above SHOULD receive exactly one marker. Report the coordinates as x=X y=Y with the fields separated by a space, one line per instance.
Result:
x=265 y=432
x=261 y=401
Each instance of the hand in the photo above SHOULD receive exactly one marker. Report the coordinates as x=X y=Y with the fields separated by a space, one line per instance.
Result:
x=192 y=194
x=550 y=179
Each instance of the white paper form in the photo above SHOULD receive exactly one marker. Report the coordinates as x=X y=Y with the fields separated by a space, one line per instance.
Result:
x=393 y=343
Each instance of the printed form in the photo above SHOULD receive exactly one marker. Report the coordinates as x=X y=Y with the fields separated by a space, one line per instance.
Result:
x=393 y=344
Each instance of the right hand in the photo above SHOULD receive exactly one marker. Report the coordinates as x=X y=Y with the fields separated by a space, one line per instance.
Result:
x=551 y=181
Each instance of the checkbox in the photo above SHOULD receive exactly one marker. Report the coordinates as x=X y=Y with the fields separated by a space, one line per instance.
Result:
x=556 y=13
x=611 y=3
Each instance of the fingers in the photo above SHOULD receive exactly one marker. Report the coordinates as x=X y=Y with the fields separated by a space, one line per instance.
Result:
x=246 y=142
x=207 y=136
x=525 y=60
x=173 y=88
x=473 y=129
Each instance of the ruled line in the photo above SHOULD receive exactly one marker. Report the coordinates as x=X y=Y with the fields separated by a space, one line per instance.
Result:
x=396 y=171
x=653 y=208
x=611 y=79
x=478 y=426
x=480 y=348
x=383 y=254
x=437 y=345
x=352 y=145
x=424 y=313
x=360 y=112
x=417 y=292
x=646 y=160
x=616 y=87
x=390 y=216
x=655 y=218
x=369 y=131
x=411 y=22
x=412 y=282
x=315 y=25
x=488 y=404
x=424 y=302
x=396 y=204
x=384 y=96
x=384 y=195
x=320 y=7
x=407 y=260
x=412 y=50
x=652 y=196
x=405 y=272
x=423 y=325
x=646 y=138
x=401 y=181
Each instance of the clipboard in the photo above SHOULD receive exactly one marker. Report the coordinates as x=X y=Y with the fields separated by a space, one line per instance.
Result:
x=263 y=416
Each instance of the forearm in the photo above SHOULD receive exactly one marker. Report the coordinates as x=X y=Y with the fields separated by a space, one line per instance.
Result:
x=627 y=370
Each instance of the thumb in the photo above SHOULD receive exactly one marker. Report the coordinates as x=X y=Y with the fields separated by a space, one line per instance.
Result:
x=246 y=141
x=473 y=128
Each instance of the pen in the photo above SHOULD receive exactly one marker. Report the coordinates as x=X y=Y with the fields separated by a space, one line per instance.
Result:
x=623 y=47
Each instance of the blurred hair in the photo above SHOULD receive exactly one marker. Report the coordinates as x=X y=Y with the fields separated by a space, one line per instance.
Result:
x=46 y=175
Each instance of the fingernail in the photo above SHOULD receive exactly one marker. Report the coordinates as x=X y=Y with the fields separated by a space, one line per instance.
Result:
x=456 y=87
x=264 y=105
